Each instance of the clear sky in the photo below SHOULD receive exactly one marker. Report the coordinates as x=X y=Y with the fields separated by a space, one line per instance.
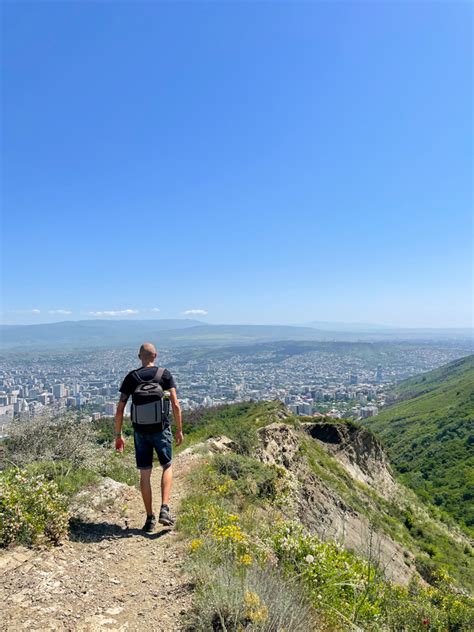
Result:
x=261 y=162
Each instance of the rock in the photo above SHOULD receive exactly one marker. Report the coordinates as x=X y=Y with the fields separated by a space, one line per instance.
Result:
x=116 y=610
x=221 y=444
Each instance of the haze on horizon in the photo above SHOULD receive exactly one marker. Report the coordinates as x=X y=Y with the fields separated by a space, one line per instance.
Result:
x=238 y=162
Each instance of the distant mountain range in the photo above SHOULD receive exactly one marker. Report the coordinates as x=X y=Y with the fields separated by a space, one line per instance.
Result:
x=178 y=332
x=429 y=432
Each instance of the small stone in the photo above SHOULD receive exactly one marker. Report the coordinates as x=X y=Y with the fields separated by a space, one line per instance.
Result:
x=116 y=610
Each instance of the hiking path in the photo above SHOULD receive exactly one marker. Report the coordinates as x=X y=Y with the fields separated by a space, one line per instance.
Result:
x=109 y=574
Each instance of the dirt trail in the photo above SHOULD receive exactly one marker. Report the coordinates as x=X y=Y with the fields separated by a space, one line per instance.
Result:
x=108 y=576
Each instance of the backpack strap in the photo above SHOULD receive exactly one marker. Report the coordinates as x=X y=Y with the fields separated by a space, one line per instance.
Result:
x=156 y=378
x=137 y=377
x=158 y=374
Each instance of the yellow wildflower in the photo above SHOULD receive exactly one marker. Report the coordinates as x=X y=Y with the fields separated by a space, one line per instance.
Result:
x=195 y=544
x=252 y=600
x=256 y=611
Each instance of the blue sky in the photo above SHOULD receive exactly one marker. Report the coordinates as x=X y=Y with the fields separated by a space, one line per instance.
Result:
x=260 y=162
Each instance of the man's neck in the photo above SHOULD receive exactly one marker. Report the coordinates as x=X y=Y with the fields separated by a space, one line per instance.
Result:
x=147 y=366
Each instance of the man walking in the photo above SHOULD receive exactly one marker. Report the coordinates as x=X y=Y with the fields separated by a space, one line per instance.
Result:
x=151 y=428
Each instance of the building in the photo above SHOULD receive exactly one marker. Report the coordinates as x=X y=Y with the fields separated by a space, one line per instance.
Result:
x=378 y=374
x=110 y=409
x=59 y=391
x=368 y=411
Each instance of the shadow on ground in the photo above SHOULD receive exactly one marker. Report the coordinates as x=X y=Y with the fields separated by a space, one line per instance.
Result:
x=81 y=531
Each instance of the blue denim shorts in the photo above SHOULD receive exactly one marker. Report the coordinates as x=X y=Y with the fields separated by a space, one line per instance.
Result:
x=145 y=443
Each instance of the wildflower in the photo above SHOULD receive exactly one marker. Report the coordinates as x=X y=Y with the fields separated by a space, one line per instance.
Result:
x=195 y=544
x=426 y=621
x=252 y=600
x=309 y=559
x=256 y=612
x=245 y=559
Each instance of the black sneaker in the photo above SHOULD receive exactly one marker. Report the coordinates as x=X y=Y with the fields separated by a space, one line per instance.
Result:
x=150 y=524
x=165 y=516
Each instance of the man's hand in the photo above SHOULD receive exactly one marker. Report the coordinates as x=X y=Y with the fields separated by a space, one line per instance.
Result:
x=178 y=437
x=119 y=443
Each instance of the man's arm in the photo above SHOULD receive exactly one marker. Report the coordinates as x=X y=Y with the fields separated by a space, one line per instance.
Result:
x=119 y=442
x=176 y=416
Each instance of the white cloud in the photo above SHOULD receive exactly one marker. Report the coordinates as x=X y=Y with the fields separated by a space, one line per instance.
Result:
x=195 y=312
x=60 y=311
x=36 y=311
x=155 y=309
x=118 y=312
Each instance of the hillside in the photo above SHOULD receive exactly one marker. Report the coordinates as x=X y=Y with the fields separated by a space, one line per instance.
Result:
x=347 y=487
x=284 y=523
x=429 y=435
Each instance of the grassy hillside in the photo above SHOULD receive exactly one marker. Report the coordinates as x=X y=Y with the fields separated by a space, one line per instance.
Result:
x=256 y=567
x=253 y=563
x=429 y=433
x=406 y=521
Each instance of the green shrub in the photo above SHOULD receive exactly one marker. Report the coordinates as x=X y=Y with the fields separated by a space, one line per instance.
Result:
x=32 y=509
x=105 y=431
x=351 y=591
x=253 y=478
x=69 y=480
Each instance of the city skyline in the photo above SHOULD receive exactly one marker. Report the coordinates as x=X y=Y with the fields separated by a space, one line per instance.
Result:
x=260 y=162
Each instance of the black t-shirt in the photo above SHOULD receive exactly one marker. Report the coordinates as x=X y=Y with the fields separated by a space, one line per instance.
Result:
x=146 y=373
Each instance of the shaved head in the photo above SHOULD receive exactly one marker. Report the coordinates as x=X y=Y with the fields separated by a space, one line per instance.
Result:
x=147 y=352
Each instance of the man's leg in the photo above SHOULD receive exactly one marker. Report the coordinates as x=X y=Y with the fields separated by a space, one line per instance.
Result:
x=145 y=488
x=166 y=480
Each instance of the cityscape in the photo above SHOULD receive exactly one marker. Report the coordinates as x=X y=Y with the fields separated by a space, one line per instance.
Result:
x=336 y=380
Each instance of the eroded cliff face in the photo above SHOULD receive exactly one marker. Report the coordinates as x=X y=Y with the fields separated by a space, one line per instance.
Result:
x=334 y=497
x=359 y=451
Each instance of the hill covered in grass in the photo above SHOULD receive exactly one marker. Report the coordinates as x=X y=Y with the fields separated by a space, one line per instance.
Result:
x=344 y=487
x=287 y=523
x=429 y=433
x=297 y=524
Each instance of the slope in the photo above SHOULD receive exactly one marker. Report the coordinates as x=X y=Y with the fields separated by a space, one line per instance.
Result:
x=429 y=435
x=346 y=485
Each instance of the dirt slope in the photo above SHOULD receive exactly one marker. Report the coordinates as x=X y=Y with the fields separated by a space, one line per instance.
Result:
x=108 y=576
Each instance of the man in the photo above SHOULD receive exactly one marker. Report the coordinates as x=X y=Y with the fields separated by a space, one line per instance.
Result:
x=156 y=437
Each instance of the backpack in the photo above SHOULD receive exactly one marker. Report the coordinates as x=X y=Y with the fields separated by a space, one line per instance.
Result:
x=147 y=408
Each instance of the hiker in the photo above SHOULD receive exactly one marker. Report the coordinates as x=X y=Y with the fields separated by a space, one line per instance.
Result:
x=151 y=426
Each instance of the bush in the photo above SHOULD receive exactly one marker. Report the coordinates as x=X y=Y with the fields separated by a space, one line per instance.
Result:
x=31 y=509
x=50 y=438
x=104 y=429
x=254 y=479
x=68 y=480
x=230 y=599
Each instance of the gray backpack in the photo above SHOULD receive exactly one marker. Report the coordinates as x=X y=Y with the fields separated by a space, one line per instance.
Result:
x=147 y=408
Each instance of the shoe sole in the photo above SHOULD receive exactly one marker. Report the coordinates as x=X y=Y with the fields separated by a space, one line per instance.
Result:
x=166 y=522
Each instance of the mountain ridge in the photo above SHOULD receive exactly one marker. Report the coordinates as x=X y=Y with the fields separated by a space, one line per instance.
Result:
x=102 y=332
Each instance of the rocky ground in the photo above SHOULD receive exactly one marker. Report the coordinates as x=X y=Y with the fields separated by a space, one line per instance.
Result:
x=108 y=575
